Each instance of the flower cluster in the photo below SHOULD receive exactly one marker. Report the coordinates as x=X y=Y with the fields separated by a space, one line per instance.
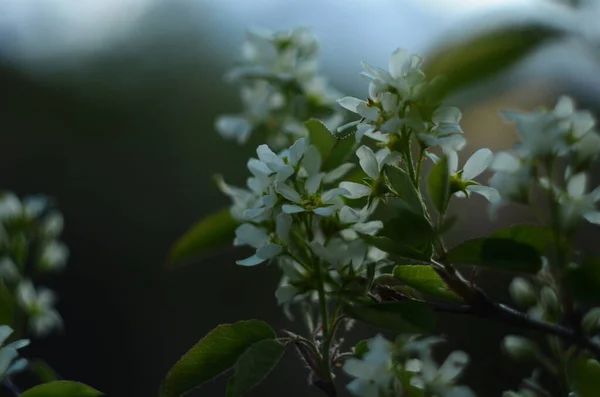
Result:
x=280 y=88
x=549 y=139
x=9 y=361
x=405 y=368
x=29 y=247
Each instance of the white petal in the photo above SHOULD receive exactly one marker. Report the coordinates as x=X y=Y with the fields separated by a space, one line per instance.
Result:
x=447 y=114
x=369 y=228
x=576 y=185
x=389 y=102
x=378 y=136
x=26 y=294
x=283 y=173
x=234 y=127
x=355 y=190
x=333 y=193
x=266 y=155
x=564 y=107
x=505 y=161
x=250 y=261
x=312 y=160
x=445 y=129
x=489 y=193
x=269 y=251
x=337 y=173
x=251 y=235
x=363 y=388
x=313 y=183
x=363 y=129
x=453 y=366
x=288 y=192
x=477 y=163
x=592 y=217
x=297 y=151
x=368 y=161
x=6 y=357
x=5 y=332
x=18 y=344
x=370 y=113
x=452 y=161
x=254 y=214
x=324 y=211
x=350 y=103
x=292 y=209
x=397 y=61
x=258 y=168
x=283 y=223
x=349 y=215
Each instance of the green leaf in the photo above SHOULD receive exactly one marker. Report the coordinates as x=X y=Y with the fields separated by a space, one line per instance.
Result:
x=361 y=348
x=212 y=355
x=424 y=279
x=404 y=316
x=334 y=151
x=62 y=388
x=388 y=245
x=484 y=56
x=584 y=375
x=253 y=366
x=7 y=305
x=210 y=233
x=43 y=371
x=534 y=235
x=438 y=185
x=404 y=188
x=497 y=253
x=407 y=227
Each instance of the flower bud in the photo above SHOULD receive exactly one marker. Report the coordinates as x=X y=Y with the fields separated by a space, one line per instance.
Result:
x=550 y=303
x=591 y=321
x=520 y=348
x=522 y=292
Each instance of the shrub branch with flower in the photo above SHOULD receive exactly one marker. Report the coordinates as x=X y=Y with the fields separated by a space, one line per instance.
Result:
x=355 y=216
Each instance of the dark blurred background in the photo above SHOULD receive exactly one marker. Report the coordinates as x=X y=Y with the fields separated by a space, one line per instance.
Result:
x=109 y=107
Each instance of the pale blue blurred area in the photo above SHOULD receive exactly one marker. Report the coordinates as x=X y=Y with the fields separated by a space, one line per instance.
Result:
x=46 y=34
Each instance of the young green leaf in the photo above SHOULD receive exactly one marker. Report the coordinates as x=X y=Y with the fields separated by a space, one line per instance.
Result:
x=334 y=151
x=407 y=227
x=212 y=355
x=438 y=185
x=584 y=375
x=424 y=279
x=210 y=233
x=404 y=316
x=485 y=55
x=253 y=366
x=497 y=253
x=62 y=388
x=404 y=188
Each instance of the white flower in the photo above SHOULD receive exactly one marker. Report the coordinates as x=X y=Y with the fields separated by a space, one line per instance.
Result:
x=292 y=272
x=8 y=270
x=446 y=131
x=54 y=256
x=475 y=165
x=541 y=133
x=267 y=247
x=374 y=372
x=340 y=253
x=576 y=204
x=372 y=164
x=10 y=206
x=9 y=364
x=39 y=305
x=53 y=224
x=512 y=178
